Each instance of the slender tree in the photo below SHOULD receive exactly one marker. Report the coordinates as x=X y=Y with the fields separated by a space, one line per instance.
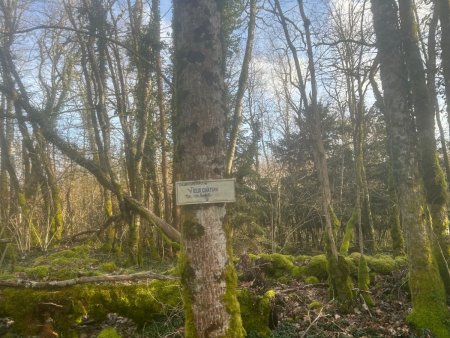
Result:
x=208 y=276
x=242 y=84
x=340 y=282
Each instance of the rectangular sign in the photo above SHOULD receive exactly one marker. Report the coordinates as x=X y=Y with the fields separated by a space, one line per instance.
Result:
x=208 y=191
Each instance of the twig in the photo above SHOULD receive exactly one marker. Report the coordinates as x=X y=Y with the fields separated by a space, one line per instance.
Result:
x=84 y=280
x=319 y=315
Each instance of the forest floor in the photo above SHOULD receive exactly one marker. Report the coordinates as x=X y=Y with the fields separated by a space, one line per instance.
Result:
x=305 y=310
x=298 y=309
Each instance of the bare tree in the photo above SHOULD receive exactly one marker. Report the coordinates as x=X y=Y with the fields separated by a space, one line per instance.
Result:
x=340 y=281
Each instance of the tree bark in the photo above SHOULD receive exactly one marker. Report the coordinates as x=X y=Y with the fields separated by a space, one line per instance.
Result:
x=208 y=276
x=427 y=289
x=398 y=241
x=424 y=112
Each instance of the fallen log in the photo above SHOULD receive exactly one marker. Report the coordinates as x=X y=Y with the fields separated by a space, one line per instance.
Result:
x=22 y=283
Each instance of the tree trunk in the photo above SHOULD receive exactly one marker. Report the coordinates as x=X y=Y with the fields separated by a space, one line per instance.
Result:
x=431 y=84
x=237 y=114
x=433 y=176
x=443 y=7
x=208 y=276
x=162 y=109
x=4 y=180
x=427 y=289
x=398 y=241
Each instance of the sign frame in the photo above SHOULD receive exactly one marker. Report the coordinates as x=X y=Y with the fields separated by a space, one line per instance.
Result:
x=205 y=191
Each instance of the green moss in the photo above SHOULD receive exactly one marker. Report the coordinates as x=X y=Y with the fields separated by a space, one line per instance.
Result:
x=335 y=222
x=276 y=265
x=108 y=267
x=186 y=275
x=66 y=264
x=364 y=281
x=341 y=285
x=109 y=332
x=398 y=242
x=37 y=272
x=235 y=328
x=285 y=267
x=429 y=307
x=382 y=264
x=139 y=302
x=315 y=304
x=317 y=267
x=311 y=280
x=256 y=311
x=434 y=177
x=348 y=233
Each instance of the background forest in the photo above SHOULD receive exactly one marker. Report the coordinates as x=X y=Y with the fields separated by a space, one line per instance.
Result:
x=326 y=163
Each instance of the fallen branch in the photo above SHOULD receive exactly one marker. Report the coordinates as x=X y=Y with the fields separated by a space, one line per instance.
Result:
x=313 y=322
x=84 y=280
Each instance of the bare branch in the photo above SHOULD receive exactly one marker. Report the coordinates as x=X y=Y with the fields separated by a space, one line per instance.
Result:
x=84 y=280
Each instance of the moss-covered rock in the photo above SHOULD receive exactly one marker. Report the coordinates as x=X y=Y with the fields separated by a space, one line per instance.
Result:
x=382 y=264
x=316 y=266
x=256 y=312
x=275 y=265
x=109 y=332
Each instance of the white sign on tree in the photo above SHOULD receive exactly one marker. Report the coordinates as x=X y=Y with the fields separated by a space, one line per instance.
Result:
x=207 y=191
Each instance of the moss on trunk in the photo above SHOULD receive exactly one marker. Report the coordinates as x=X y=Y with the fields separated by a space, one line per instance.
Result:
x=341 y=285
x=364 y=280
x=348 y=234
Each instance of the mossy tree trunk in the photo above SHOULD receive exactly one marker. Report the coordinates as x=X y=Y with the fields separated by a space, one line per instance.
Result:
x=51 y=189
x=431 y=84
x=398 y=241
x=427 y=289
x=423 y=107
x=208 y=276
